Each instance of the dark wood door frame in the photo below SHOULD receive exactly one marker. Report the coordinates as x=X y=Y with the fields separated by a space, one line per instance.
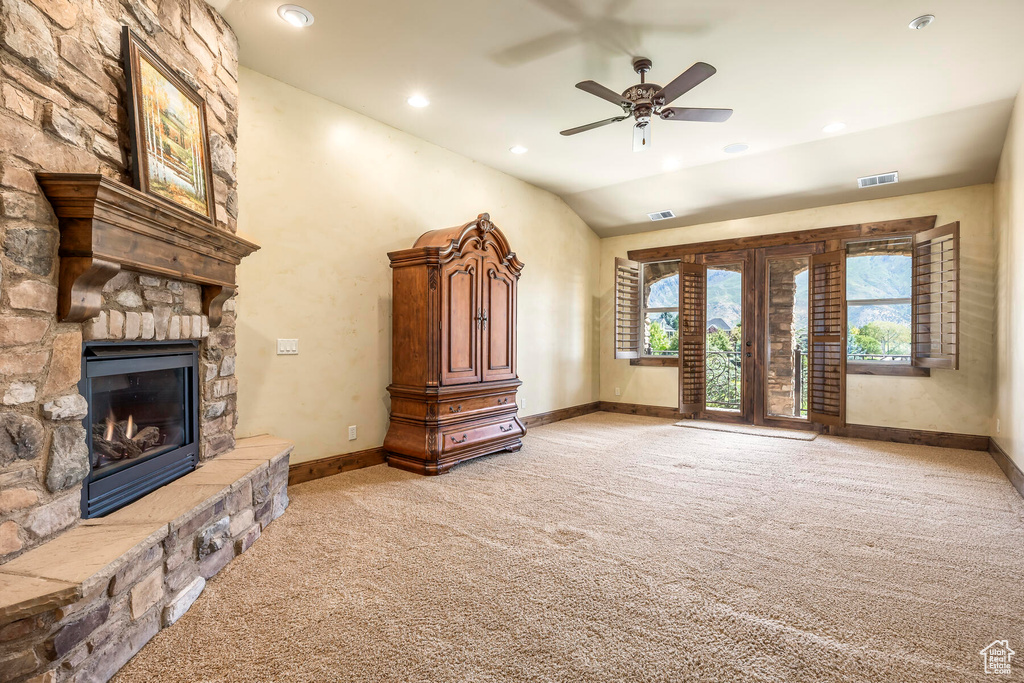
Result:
x=745 y=258
x=762 y=256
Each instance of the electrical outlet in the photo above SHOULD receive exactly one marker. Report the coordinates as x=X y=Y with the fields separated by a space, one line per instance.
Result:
x=618 y=392
x=352 y=433
x=287 y=347
x=522 y=403
x=997 y=426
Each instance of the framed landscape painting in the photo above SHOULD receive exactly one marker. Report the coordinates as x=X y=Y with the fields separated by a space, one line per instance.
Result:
x=167 y=121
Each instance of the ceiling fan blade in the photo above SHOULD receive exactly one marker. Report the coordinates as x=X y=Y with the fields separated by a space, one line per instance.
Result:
x=684 y=82
x=695 y=114
x=641 y=137
x=592 y=126
x=604 y=93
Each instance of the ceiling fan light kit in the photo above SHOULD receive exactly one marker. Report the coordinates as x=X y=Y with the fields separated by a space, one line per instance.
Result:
x=646 y=100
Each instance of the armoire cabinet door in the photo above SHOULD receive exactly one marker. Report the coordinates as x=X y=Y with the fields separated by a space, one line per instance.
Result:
x=499 y=327
x=460 y=312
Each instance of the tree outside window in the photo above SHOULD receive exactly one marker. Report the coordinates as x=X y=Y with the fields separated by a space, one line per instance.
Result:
x=660 y=308
x=878 y=300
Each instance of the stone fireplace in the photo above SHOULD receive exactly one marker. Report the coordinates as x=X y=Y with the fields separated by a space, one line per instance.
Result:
x=62 y=110
x=122 y=486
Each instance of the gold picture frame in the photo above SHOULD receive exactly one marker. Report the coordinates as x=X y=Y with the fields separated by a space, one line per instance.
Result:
x=169 y=138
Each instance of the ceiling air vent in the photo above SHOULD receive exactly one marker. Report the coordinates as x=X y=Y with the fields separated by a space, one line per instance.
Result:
x=880 y=179
x=660 y=215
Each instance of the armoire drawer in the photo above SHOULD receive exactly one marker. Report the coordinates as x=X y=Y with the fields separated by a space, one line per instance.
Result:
x=474 y=405
x=455 y=438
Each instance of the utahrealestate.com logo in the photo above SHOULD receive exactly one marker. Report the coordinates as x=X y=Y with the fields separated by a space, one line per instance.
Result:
x=997 y=657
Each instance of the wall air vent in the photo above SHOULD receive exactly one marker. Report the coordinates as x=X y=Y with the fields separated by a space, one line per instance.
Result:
x=880 y=179
x=660 y=215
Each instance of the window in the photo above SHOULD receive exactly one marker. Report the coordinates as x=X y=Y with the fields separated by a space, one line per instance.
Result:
x=879 y=277
x=659 y=313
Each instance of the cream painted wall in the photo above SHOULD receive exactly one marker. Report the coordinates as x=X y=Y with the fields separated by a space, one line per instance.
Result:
x=327 y=193
x=953 y=401
x=1009 y=228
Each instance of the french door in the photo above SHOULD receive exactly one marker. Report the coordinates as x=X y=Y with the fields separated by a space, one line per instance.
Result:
x=744 y=335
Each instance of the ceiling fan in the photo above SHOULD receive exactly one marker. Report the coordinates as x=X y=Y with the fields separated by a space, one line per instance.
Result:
x=644 y=100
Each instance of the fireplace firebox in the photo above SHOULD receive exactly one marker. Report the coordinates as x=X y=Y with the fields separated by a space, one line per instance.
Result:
x=143 y=421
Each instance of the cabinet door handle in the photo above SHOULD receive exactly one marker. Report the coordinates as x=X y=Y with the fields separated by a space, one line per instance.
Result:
x=455 y=409
x=504 y=429
x=462 y=440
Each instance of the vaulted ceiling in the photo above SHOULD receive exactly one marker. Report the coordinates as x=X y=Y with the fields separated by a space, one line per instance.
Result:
x=932 y=104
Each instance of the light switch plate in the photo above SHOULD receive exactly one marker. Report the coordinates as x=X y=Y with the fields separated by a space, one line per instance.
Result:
x=287 y=347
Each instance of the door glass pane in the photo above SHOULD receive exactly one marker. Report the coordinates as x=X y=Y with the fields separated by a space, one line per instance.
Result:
x=786 y=370
x=724 y=357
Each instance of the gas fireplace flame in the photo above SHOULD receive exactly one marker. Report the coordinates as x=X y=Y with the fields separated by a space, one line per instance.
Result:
x=130 y=430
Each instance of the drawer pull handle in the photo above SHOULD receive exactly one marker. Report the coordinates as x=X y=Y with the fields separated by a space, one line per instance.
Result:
x=455 y=409
x=504 y=429
x=503 y=401
x=462 y=440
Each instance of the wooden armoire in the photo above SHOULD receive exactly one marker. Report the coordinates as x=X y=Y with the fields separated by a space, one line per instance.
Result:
x=453 y=379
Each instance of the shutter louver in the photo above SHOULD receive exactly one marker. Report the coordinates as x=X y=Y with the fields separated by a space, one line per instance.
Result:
x=936 y=298
x=627 y=308
x=827 y=339
x=692 y=336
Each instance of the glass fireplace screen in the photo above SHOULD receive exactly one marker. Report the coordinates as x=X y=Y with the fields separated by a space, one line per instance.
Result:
x=143 y=419
x=137 y=415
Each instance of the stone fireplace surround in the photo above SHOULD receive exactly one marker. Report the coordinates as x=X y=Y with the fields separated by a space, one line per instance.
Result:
x=78 y=598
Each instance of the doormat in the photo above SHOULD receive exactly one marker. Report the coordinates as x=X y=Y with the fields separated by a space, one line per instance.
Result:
x=772 y=432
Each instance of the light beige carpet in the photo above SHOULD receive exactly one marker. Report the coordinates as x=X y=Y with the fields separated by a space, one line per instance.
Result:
x=752 y=430
x=620 y=548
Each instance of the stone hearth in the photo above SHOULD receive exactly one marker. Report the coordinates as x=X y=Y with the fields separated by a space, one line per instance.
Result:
x=78 y=607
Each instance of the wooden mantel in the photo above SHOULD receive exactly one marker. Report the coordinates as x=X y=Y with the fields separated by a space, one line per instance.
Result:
x=106 y=225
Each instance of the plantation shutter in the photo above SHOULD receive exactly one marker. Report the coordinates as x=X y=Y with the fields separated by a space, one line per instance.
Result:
x=692 y=336
x=627 y=308
x=826 y=401
x=936 y=298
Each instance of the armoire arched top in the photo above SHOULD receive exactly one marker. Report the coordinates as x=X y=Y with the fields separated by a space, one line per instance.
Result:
x=452 y=243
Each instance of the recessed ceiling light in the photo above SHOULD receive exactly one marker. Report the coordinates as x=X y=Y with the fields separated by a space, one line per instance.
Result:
x=922 y=21
x=736 y=148
x=299 y=17
x=834 y=127
x=518 y=149
x=418 y=101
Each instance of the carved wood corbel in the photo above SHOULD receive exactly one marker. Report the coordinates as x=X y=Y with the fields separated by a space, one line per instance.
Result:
x=80 y=295
x=214 y=297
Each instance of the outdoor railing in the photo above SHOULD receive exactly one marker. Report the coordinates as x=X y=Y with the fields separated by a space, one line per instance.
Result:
x=877 y=358
x=723 y=380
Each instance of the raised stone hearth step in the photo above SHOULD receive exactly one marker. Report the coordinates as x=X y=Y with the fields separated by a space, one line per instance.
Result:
x=90 y=598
